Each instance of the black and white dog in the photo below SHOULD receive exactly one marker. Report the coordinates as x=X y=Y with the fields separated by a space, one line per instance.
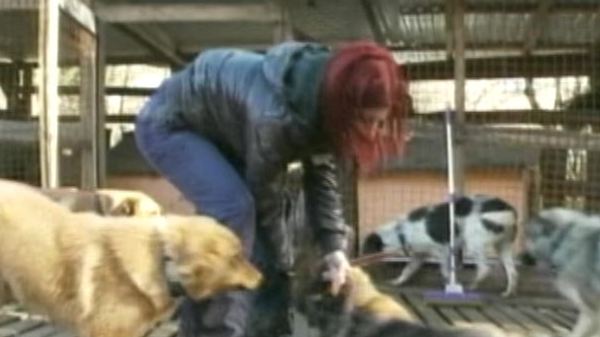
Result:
x=483 y=223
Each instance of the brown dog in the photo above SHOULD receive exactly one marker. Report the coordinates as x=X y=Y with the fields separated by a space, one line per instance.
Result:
x=104 y=276
x=365 y=296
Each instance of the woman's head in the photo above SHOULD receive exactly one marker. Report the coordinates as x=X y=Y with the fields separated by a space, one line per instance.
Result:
x=365 y=101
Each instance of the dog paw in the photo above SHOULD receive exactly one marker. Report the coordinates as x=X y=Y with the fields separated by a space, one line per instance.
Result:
x=397 y=282
x=507 y=293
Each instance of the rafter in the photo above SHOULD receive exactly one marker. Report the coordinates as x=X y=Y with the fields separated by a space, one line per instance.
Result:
x=130 y=13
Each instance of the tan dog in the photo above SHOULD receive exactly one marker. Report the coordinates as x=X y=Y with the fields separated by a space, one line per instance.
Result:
x=365 y=296
x=103 y=276
x=105 y=201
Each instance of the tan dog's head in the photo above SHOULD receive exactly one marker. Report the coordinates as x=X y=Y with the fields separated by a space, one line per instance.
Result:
x=365 y=296
x=208 y=256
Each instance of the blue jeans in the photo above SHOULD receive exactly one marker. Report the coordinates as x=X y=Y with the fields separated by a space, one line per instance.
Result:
x=207 y=179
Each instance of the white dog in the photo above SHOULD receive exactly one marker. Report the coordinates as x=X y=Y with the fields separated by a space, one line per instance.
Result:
x=483 y=223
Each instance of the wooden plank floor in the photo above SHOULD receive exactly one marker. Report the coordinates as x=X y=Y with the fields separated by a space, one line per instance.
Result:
x=536 y=310
x=519 y=317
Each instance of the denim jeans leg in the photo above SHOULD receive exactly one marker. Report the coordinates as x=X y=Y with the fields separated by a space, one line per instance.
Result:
x=206 y=178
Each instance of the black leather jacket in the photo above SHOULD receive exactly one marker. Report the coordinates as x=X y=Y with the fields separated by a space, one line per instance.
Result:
x=240 y=100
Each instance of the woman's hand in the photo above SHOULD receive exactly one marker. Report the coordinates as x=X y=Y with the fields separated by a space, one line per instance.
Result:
x=337 y=267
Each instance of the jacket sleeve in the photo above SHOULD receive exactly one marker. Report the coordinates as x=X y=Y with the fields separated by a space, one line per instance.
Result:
x=265 y=171
x=323 y=202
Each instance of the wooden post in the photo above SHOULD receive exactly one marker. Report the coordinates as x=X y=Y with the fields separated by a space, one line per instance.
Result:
x=48 y=94
x=88 y=112
x=282 y=29
x=458 y=28
x=100 y=102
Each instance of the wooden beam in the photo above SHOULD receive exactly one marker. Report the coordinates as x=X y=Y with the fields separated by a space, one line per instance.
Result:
x=300 y=35
x=130 y=13
x=505 y=67
x=75 y=90
x=155 y=41
x=535 y=26
x=540 y=117
x=374 y=20
x=79 y=12
x=458 y=58
x=48 y=97
x=11 y=5
x=89 y=119
x=514 y=7
x=448 y=31
x=532 y=33
x=101 y=104
x=535 y=138
x=282 y=28
x=505 y=46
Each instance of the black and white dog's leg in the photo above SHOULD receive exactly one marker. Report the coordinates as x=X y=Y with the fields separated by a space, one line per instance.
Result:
x=483 y=269
x=443 y=255
x=416 y=261
x=505 y=250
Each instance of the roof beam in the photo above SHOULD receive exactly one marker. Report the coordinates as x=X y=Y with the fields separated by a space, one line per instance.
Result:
x=375 y=20
x=475 y=7
x=136 y=13
x=533 y=32
x=492 y=46
x=535 y=25
x=155 y=41
x=80 y=12
x=505 y=67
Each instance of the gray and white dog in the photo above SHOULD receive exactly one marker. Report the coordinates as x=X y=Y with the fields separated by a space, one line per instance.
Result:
x=483 y=223
x=569 y=241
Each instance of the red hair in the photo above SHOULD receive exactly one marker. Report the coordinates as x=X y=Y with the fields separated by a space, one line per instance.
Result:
x=364 y=75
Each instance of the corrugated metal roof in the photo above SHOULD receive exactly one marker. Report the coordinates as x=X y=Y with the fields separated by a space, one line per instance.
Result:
x=494 y=26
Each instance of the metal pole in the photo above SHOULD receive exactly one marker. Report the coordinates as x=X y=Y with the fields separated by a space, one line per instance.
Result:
x=456 y=153
x=48 y=94
x=452 y=286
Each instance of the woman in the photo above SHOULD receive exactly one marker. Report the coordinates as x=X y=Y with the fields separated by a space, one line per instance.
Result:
x=224 y=129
